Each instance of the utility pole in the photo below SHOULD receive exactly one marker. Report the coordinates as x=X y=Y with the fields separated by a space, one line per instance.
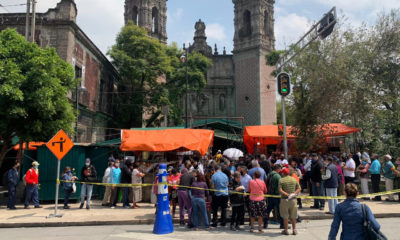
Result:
x=33 y=20
x=28 y=10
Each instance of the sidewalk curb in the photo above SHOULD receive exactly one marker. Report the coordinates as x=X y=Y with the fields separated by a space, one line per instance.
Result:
x=147 y=221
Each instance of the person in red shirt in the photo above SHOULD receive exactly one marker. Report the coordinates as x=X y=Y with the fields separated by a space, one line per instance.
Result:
x=32 y=186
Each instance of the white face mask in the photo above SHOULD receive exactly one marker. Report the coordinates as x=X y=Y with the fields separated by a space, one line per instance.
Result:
x=117 y=164
x=87 y=164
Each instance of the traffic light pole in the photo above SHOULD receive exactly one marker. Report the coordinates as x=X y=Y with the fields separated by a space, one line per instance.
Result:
x=322 y=29
x=284 y=127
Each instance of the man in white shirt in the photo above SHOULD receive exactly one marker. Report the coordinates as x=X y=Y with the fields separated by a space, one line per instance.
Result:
x=282 y=160
x=349 y=170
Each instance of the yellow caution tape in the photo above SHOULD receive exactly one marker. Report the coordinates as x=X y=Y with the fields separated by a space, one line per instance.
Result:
x=231 y=192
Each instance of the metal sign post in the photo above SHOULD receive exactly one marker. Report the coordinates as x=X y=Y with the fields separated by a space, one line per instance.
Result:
x=57 y=190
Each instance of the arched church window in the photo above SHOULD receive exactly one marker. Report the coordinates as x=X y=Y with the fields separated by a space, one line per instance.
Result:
x=246 y=23
x=154 y=19
x=135 y=15
x=222 y=103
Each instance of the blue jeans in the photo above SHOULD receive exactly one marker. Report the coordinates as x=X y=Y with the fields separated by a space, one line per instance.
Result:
x=32 y=194
x=318 y=191
x=86 y=190
x=125 y=199
x=273 y=203
x=12 y=190
x=199 y=207
x=67 y=194
x=332 y=192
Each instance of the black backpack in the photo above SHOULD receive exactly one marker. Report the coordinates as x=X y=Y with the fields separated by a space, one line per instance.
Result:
x=5 y=179
x=268 y=182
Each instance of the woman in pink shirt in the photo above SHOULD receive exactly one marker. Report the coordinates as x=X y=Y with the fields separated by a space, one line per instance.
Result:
x=257 y=189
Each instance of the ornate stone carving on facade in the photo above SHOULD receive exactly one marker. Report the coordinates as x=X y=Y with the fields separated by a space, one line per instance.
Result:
x=150 y=15
x=215 y=49
x=200 y=40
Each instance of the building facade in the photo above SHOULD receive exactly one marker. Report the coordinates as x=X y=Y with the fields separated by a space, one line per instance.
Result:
x=238 y=84
x=57 y=28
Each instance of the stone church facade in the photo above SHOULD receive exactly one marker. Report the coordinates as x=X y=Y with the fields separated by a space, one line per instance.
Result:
x=238 y=84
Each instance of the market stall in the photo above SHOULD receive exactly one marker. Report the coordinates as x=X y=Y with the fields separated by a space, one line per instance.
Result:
x=261 y=136
x=167 y=140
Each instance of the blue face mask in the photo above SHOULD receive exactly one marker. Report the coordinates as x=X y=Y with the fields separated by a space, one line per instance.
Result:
x=35 y=167
x=364 y=162
x=68 y=172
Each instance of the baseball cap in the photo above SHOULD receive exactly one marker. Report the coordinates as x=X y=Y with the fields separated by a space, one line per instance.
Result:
x=35 y=163
x=285 y=171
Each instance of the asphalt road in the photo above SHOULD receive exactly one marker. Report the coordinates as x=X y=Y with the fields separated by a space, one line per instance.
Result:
x=311 y=230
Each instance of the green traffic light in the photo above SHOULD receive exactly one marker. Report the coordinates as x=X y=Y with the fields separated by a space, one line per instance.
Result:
x=284 y=90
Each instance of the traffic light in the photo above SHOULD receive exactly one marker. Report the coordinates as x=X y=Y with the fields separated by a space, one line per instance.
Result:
x=280 y=130
x=323 y=30
x=283 y=84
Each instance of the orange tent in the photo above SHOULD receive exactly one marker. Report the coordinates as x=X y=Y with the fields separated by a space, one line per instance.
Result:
x=268 y=134
x=166 y=140
x=31 y=146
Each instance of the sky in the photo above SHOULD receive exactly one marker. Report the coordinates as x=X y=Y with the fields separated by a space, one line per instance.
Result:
x=101 y=20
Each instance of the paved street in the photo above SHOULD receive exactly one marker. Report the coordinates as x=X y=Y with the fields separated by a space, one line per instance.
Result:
x=145 y=215
x=312 y=230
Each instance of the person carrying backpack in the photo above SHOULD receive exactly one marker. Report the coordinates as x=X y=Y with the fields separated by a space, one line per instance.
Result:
x=12 y=183
x=272 y=183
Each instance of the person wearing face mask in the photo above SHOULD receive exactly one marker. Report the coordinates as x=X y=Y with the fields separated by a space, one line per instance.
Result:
x=32 y=185
x=67 y=185
x=12 y=180
x=362 y=170
x=388 y=173
x=88 y=175
x=115 y=178
x=331 y=178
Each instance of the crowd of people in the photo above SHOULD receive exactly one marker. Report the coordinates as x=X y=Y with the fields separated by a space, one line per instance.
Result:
x=242 y=184
x=203 y=187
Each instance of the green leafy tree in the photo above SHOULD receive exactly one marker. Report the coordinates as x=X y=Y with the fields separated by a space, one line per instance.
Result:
x=198 y=65
x=34 y=83
x=143 y=64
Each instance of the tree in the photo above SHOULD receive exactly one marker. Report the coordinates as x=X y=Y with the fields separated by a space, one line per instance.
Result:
x=198 y=65
x=143 y=64
x=34 y=83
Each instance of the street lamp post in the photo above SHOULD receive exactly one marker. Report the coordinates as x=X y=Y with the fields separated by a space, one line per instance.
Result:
x=184 y=58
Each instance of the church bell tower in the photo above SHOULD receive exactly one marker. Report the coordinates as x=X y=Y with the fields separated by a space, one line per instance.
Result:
x=254 y=38
x=150 y=15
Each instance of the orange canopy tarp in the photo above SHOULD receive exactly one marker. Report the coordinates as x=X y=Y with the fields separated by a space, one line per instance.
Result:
x=31 y=146
x=268 y=134
x=166 y=140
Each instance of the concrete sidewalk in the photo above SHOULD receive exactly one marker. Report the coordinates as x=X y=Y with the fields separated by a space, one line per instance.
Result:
x=99 y=215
